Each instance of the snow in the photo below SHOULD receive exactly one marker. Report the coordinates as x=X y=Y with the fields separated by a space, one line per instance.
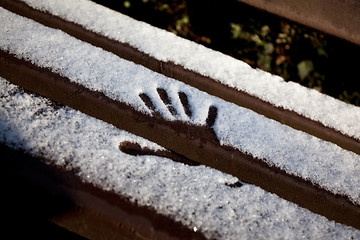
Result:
x=166 y=46
x=323 y=163
x=202 y=201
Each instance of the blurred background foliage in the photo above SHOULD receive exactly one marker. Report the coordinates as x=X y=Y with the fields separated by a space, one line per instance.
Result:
x=264 y=41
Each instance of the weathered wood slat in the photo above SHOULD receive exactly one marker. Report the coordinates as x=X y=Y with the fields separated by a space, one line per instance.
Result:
x=335 y=17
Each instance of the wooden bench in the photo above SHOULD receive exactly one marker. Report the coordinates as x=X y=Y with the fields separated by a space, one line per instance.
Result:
x=193 y=127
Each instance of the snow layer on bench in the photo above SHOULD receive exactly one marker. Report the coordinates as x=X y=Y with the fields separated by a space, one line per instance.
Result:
x=166 y=46
x=298 y=153
x=203 y=201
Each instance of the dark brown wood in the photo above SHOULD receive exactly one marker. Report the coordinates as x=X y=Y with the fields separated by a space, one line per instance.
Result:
x=37 y=190
x=335 y=17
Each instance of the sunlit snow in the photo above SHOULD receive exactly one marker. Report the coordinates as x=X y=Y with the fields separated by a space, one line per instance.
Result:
x=198 y=196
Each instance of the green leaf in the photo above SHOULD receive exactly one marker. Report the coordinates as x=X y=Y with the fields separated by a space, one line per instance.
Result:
x=304 y=68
